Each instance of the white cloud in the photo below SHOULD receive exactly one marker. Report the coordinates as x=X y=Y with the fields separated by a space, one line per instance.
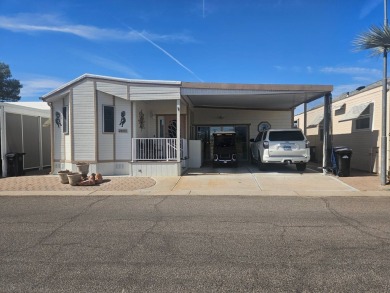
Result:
x=36 y=23
x=34 y=87
x=297 y=69
x=351 y=71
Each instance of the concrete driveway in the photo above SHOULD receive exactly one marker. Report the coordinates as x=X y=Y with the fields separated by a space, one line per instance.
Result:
x=248 y=180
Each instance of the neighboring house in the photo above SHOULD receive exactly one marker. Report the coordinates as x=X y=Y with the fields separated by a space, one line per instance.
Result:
x=25 y=128
x=355 y=123
x=151 y=128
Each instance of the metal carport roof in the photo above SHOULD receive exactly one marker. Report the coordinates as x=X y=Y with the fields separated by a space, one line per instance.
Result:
x=251 y=96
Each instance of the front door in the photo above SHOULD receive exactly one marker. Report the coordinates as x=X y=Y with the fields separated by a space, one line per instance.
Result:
x=167 y=126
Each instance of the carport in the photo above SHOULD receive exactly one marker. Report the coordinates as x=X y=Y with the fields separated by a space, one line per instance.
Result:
x=267 y=97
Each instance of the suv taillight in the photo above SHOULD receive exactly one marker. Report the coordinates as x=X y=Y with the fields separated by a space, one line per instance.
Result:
x=307 y=144
x=266 y=144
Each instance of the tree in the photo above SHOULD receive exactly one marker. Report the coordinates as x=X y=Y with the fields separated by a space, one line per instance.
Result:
x=9 y=87
x=377 y=39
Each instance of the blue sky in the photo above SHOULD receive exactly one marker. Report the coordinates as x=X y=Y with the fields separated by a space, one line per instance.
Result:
x=47 y=43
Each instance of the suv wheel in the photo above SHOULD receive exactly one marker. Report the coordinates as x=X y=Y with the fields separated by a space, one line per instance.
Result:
x=260 y=164
x=301 y=167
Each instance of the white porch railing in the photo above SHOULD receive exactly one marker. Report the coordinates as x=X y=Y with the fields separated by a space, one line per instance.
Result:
x=158 y=149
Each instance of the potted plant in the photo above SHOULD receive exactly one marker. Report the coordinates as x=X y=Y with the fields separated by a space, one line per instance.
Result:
x=63 y=176
x=83 y=168
x=74 y=178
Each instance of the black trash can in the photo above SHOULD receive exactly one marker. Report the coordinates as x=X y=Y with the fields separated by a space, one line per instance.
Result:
x=15 y=164
x=343 y=160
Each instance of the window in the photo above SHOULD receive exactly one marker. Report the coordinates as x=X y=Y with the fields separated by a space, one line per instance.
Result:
x=108 y=119
x=65 y=120
x=363 y=122
x=285 y=136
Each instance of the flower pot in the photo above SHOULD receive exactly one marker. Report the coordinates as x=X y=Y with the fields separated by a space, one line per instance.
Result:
x=83 y=168
x=74 y=178
x=63 y=176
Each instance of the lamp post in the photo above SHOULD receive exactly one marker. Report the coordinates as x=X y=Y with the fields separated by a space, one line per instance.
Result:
x=384 y=109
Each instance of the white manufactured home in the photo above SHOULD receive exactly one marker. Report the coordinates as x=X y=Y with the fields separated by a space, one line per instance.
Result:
x=161 y=128
x=25 y=129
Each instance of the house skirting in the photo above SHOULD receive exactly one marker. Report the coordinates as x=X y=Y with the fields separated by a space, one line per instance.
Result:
x=158 y=168
x=136 y=169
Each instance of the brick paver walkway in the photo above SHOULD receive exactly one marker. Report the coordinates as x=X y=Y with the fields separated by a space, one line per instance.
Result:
x=52 y=183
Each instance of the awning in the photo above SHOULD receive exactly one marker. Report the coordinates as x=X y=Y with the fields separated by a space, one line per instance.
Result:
x=317 y=120
x=336 y=108
x=355 y=112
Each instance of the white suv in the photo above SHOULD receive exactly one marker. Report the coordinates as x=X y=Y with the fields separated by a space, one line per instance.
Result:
x=283 y=146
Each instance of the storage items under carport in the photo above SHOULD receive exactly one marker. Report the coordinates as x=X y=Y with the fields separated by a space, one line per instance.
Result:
x=15 y=164
x=341 y=159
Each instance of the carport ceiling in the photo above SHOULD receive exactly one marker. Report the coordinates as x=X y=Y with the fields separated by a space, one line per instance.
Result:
x=251 y=96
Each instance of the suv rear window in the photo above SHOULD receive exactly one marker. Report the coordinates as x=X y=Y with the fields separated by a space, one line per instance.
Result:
x=285 y=136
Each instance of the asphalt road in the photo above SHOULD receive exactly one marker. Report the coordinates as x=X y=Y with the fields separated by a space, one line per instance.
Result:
x=194 y=244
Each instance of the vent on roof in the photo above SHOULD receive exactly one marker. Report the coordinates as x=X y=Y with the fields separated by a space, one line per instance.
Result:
x=360 y=88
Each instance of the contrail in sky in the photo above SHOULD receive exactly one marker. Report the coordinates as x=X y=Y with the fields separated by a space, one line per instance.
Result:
x=167 y=53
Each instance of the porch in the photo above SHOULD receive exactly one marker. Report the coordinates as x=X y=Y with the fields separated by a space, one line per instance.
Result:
x=158 y=157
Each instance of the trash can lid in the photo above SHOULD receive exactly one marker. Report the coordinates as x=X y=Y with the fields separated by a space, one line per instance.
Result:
x=341 y=148
x=345 y=151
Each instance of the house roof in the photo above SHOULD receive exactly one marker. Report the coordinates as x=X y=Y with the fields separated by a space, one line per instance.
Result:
x=35 y=105
x=27 y=108
x=107 y=79
x=225 y=95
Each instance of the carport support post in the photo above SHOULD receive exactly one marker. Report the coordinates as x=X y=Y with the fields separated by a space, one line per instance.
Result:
x=178 y=146
x=305 y=118
x=326 y=138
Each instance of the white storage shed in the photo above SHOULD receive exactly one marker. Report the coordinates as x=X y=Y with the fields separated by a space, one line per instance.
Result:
x=25 y=129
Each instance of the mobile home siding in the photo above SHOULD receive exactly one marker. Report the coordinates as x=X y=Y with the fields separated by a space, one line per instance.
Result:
x=83 y=121
x=277 y=119
x=106 y=140
x=59 y=137
x=113 y=89
x=123 y=134
x=144 y=93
